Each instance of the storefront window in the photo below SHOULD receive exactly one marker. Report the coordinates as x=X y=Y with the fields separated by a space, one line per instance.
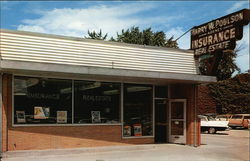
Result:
x=42 y=100
x=96 y=102
x=138 y=110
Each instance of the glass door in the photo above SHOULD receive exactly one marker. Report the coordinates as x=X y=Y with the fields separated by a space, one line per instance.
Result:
x=177 y=121
x=161 y=121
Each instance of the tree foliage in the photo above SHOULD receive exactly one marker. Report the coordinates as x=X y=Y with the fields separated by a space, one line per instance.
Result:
x=96 y=35
x=232 y=95
x=221 y=64
x=145 y=37
x=135 y=36
x=227 y=65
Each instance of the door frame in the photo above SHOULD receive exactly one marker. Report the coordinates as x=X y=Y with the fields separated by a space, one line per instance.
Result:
x=184 y=138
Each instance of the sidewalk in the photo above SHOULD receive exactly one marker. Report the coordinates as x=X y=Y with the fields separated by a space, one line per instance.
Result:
x=227 y=146
x=153 y=152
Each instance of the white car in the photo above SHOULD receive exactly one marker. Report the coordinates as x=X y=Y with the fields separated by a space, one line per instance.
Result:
x=209 y=124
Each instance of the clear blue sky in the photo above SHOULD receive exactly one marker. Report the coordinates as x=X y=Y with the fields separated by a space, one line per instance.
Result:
x=75 y=18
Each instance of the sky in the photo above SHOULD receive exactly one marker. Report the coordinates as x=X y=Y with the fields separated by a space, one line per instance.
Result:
x=75 y=18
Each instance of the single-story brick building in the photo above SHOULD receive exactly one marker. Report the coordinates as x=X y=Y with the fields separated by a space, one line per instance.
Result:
x=67 y=92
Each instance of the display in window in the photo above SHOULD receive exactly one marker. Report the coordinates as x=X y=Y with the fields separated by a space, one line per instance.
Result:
x=20 y=116
x=96 y=116
x=137 y=130
x=41 y=112
x=61 y=117
x=41 y=98
x=127 y=131
x=138 y=109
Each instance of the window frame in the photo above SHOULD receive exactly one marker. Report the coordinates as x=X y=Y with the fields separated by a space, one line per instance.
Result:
x=120 y=122
x=72 y=107
x=72 y=123
x=153 y=112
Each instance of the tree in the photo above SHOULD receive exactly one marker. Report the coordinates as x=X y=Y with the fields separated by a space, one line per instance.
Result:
x=171 y=43
x=96 y=36
x=145 y=37
x=227 y=65
x=133 y=35
x=221 y=64
x=232 y=95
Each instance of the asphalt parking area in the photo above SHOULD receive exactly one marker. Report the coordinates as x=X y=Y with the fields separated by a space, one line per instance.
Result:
x=230 y=145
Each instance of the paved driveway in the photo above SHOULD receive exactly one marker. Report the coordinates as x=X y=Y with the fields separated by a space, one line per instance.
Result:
x=231 y=145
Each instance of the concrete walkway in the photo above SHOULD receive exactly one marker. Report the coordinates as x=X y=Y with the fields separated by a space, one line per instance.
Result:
x=227 y=146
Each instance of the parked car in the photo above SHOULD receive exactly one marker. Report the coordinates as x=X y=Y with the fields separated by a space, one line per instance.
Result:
x=211 y=125
x=239 y=120
x=224 y=117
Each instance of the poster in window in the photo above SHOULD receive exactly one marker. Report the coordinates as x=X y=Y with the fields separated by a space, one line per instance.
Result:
x=61 y=117
x=96 y=116
x=41 y=112
x=127 y=131
x=137 y=130
x=20 y=115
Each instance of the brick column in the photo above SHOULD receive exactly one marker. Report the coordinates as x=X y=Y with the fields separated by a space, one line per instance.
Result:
x=6 y=106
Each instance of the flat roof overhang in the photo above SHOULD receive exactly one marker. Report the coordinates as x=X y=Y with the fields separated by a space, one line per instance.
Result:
x=101 y=74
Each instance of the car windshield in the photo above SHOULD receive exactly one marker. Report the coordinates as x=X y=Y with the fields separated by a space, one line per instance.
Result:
x=210 y=118
x=236 y=117
x=203 y=119
x=221 y=117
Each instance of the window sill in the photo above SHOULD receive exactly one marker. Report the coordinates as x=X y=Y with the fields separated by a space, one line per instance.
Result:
x=137 y=137
x=39 y=125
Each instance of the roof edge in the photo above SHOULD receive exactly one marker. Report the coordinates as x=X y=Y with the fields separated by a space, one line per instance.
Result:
x=91 y=40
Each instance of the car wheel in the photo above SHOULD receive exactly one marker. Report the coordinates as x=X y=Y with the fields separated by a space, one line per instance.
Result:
x=211 y=130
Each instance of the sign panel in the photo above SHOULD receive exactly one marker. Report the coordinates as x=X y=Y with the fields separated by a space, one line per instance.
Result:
x=96 y=116
x=20 y=115
x=219 y=34
x=61 y=117
x=41 y=112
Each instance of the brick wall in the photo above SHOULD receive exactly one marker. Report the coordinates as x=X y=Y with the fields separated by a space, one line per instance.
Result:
x=206 y=104
x=188 y=92
x=6 y=102
x=57 y=137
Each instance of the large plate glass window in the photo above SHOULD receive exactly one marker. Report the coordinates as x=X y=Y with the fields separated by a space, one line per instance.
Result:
x=42 y=100
x=96 y=102
x=138 y=110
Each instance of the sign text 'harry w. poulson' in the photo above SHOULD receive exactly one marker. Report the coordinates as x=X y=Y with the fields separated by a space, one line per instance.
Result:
x=219 y=34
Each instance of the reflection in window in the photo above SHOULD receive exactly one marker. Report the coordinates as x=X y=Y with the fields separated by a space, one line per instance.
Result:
x=138 y=110
x=96 y=102
x=42 y=100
